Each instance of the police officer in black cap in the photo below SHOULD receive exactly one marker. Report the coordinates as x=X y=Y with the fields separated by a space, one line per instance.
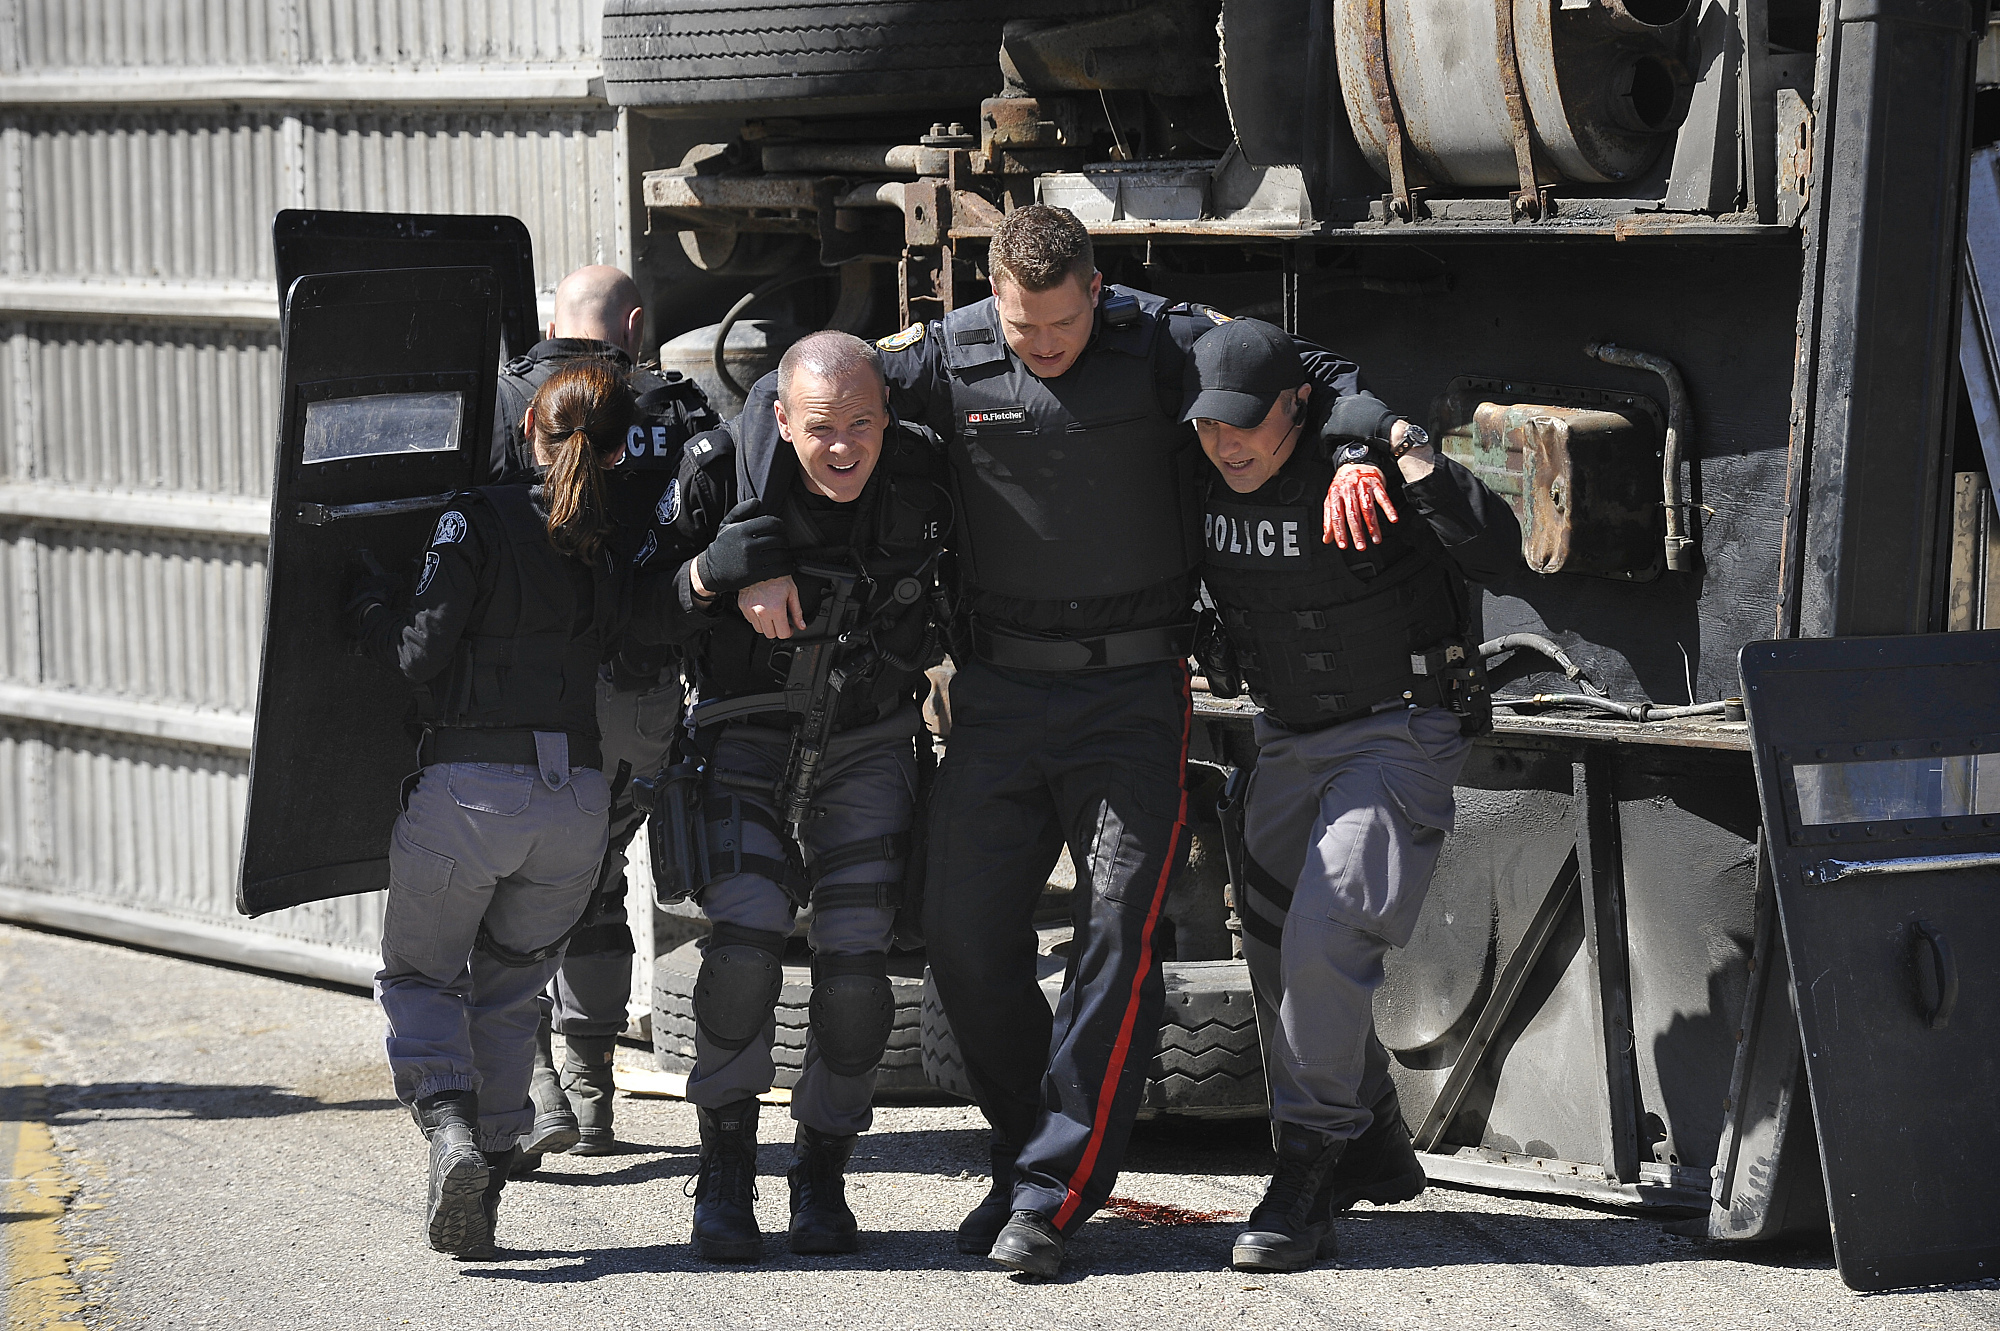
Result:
x=1350 y=624
x=816 y=522
x=1058 y=399
x=598 y=318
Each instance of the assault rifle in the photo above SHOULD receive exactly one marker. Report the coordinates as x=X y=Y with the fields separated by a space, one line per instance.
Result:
x=821 y=666
x=812 y=689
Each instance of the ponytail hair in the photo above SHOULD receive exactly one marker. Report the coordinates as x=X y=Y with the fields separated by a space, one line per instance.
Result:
x=582 y=413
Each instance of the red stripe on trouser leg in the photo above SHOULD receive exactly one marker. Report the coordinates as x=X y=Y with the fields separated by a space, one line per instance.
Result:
x=1073 y=1195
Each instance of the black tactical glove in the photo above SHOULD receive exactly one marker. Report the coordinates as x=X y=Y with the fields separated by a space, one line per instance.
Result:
x=1357 y=416
x=370 y=589
x=748 y=550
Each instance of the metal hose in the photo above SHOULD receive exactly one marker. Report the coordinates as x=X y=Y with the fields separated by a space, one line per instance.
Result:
x=743 y=303
x=1630 y=711
x=1535 y=642
x=1680 y=555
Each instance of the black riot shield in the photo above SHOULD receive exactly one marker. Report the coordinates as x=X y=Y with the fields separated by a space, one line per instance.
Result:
x=388 y=401
x=1878 y=765
x=323 y=241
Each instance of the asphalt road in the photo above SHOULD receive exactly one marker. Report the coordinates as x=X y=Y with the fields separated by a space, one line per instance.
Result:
x=194 y=1146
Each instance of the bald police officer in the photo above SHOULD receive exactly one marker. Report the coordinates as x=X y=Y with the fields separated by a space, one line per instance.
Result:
x=1350 y=625
x=1058 y=400
x=815 y=524
x=599 y=318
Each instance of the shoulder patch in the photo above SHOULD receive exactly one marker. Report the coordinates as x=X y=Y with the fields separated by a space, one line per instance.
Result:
x=902 y=341
x=450 y=529
x=1215 y=316
x=669 y=506
x=430 y=571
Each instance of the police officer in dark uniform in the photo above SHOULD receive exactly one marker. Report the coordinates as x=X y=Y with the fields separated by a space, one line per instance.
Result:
x=1350 y=625
x=1058 y=400
x=494 y=859
x=808 y=613
x=598 y=318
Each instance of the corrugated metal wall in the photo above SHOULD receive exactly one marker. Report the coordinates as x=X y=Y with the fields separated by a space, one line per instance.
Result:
x=144 y=146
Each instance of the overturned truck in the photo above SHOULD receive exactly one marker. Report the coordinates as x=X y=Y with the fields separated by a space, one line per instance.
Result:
x=1679 y=279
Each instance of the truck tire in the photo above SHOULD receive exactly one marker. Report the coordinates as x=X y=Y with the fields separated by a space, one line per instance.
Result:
x=706 y=57
x=900 y=1072
x=1209 y=1064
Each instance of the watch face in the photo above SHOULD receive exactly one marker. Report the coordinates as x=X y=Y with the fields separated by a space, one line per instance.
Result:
x=1354 y=453
x=1416 y=436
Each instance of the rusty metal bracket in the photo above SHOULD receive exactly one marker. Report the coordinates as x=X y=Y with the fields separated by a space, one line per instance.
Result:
x=1405 y=195
x=1532 y=200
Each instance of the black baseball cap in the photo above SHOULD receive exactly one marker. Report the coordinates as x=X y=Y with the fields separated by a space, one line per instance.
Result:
x=1237 y=371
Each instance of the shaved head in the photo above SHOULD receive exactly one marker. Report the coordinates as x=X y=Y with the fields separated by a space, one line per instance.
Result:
x=600 y=302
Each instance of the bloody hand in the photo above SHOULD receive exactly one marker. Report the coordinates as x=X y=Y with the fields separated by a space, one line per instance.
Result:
x=1357 y=491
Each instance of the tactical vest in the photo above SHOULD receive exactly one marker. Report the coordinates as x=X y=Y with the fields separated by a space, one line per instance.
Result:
x=1320 y=633
x=1075 y=487
x=891 y=536
x=670 y=406
x=524 y=665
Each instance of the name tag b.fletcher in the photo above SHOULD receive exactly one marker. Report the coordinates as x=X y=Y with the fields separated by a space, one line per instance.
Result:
x=1247 y=537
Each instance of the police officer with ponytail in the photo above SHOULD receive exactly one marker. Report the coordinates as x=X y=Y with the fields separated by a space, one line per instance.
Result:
x=1348 y=620
x=599 y=319
x=808 y=609
x=517 y=601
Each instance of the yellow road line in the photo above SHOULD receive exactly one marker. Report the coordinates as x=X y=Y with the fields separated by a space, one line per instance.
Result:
x=40 y=1289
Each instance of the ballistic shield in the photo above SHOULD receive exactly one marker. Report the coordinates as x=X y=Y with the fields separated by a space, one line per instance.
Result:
x=388 y=402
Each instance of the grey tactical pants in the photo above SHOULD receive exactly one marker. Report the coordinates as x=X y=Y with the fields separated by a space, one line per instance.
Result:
x=592 y=988
x=1343 y=828
x=511 y=846
x=868 y=789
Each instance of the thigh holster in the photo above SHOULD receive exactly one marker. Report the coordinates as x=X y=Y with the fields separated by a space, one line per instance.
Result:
x=853 y=1011
x=742 y=972
x=883 y=893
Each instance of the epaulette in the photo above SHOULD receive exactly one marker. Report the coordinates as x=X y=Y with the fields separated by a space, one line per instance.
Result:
x=710 y=447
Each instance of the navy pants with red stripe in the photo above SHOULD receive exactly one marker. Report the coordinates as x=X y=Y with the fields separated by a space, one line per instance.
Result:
x=1094 y=761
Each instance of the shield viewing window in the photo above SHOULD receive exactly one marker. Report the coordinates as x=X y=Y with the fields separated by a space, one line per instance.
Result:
x=381 y=424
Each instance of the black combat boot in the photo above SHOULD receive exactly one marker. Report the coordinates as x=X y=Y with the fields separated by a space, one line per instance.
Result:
x=821 y=1220
x=1287 y=1232
x=1030 y=1244
x=1380 y=1166
x=500 y=1166
x=555 y=1129
x=978 y=1230
x=454 y=1214
x=586 y=1079
x=725 y=1189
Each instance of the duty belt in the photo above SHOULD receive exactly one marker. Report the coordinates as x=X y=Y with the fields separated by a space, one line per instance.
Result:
x=1107 y=652
x=1421 y=693
x=463 y=744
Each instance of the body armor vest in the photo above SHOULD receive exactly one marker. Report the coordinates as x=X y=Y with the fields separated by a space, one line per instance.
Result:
x=1321 y=633
x=890 y=536
x=1074 y=487
x=525 y=664
x=670 y=406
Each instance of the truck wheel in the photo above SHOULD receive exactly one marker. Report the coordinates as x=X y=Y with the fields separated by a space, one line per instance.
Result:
x=900 y=1072
x=807 y=59
x=1209 y=1064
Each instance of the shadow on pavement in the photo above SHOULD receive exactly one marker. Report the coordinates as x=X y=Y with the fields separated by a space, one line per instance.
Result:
x=142 y=1100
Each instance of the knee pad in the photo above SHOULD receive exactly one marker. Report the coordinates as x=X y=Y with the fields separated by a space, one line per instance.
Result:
x=853 y=1010
x=737 y=989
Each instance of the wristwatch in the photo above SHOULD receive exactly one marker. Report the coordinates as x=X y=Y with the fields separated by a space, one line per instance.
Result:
x=1352 y=451
x=1414 y=436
